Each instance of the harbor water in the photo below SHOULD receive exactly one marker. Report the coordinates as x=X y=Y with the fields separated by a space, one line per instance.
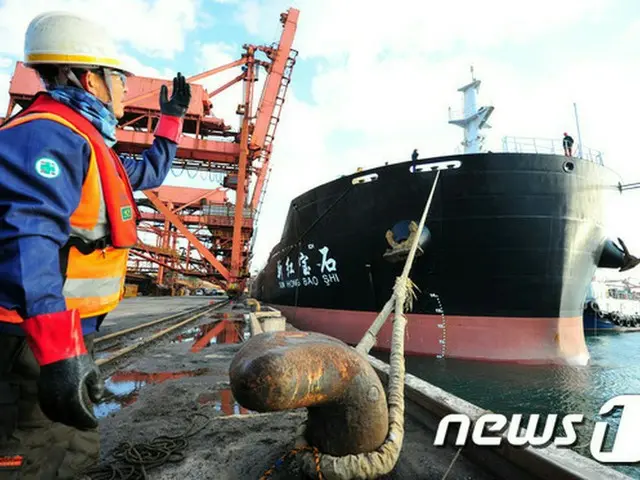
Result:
x=614 y=369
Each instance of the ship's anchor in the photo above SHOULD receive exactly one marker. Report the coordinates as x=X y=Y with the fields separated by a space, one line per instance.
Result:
x=349 y=429
x=613 y=256
x=629 y=260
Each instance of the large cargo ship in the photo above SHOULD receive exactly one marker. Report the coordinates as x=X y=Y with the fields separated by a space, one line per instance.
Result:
x=510 y=245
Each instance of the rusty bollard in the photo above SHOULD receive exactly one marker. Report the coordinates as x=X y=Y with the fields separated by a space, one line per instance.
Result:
x=345 y=400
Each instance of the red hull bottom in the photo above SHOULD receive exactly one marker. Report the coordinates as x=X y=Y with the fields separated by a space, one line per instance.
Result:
x=498 y=339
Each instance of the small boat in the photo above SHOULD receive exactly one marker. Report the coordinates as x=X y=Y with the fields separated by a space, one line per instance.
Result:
x=613 y=306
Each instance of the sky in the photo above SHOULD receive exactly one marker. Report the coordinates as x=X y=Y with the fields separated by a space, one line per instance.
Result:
x=373 y=82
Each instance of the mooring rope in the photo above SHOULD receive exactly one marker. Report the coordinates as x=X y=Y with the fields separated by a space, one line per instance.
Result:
x=383 y=460
x=369 y=338
x=137 y=459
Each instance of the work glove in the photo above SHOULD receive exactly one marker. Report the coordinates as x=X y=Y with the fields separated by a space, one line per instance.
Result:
x=69 y=379
x=178 y=105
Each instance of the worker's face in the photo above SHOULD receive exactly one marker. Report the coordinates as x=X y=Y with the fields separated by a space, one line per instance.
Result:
x=96 y=85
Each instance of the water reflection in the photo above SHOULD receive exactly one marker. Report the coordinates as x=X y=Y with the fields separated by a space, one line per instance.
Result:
x=218 y=332
x=223 y=402
x=122 y=388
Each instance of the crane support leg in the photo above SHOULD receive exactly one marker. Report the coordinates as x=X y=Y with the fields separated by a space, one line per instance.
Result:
x=187 y=233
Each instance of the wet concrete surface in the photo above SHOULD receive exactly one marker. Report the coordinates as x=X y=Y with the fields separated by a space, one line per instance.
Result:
x=164 y=391
x=136 y=310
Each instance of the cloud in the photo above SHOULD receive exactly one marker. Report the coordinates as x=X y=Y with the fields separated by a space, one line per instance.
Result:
x=140 y=69
x=250 y=15
x=213 y=55
x=156 y=28
x=299 y=162
x=331 y=28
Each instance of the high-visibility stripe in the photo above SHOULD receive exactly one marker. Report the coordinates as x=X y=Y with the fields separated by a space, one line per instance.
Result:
x=100 y=276
x=93 y=306
x=70 y=58
x=86 y=222
x=91 y=287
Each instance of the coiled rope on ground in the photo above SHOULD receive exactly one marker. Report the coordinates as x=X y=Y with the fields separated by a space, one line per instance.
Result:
x=135 y=460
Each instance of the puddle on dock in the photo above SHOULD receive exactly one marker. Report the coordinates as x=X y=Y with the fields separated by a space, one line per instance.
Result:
x=225 y=331
x=223 y=402
x=122 y=388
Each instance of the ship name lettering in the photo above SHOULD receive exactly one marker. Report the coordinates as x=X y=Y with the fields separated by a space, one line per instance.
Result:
x=293 y=282
x=328 y=264
x=303 y=261
x=306 y=281
x=289 y=265
x=305 y=277
x=331 y=278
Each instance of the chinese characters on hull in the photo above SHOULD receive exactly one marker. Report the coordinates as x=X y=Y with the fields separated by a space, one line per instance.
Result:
x=302 y=273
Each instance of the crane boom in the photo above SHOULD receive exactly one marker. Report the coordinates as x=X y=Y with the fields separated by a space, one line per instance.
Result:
x=273 y=96
x=272 y=86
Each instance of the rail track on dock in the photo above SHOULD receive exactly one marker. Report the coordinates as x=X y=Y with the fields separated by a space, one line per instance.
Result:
x=115 y=346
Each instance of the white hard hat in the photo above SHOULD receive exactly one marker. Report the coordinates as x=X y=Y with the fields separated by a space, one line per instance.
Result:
x=62 y=38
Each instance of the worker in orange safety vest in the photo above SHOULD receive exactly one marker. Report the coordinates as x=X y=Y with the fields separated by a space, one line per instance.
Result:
x=67 y=220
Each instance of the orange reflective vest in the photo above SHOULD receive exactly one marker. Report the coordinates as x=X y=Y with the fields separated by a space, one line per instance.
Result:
x=103 y=225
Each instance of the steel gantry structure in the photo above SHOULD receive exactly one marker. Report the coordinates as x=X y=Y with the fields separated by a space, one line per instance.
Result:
x=217 y=232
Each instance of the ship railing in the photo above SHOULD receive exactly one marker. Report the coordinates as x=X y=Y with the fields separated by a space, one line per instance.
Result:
x=610 y=305
x=550 y=146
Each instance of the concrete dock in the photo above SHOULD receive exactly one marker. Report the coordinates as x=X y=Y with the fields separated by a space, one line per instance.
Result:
x=182 y=381
x=136 y=310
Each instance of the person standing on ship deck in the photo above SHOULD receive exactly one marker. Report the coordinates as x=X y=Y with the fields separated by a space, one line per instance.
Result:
x=414 y=159
x=567 y=144
x=67 y=220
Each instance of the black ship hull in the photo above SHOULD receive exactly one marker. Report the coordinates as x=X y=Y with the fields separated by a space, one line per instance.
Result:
x=510 y=246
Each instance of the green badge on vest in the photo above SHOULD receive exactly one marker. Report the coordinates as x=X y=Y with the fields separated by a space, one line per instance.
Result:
x=126 y=213
x=47 y=168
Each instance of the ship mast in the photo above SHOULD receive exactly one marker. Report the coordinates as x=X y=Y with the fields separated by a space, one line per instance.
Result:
x=474 y=118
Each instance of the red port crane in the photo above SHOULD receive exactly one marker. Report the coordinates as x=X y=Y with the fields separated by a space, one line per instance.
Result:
x=215 y=229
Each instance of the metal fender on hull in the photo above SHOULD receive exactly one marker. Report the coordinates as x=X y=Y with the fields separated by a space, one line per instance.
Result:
x=613 y=256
